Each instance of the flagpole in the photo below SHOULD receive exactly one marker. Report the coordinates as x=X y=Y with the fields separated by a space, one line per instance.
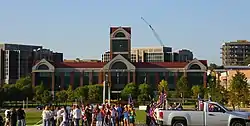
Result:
x=104 y=92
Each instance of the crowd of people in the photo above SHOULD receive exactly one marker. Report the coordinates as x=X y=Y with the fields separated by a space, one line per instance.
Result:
x=13 y=117
x=89 y=115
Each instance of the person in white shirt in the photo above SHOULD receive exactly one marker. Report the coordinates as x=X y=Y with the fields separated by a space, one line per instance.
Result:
x=65 y=116
x=46 y=115
x=76 y=115
x=7 y=114
x=59 y=116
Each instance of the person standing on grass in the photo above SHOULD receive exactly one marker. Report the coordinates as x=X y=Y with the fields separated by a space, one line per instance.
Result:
x=13 y=117
x=59 y=116
x=20 y=117
x=88 y=114
x=65 y=115
x=99 y=117
x=132 y=116
x=125 y=117
x=119 y=111
x=52 y=116
x=76 y=115
x=113 y=116
x=7 y=114
x=46 y=115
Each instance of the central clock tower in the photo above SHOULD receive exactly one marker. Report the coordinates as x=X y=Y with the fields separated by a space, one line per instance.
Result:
x=120 y=42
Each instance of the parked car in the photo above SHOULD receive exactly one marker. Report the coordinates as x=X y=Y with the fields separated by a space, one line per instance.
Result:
x=40 y=107
x=210 y=114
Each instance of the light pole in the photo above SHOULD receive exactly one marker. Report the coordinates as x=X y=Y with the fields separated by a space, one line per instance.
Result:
x=145 y=79
x=118 y=77
x=104 y=88
x=106 y=83
x=109 y=90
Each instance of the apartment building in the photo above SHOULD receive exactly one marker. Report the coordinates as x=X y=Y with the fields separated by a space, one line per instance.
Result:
x=235 y=53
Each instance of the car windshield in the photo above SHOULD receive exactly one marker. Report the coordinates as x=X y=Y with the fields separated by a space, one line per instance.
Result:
x=224 y=107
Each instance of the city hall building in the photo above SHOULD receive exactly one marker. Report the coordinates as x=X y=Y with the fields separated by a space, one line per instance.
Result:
x=119 y=71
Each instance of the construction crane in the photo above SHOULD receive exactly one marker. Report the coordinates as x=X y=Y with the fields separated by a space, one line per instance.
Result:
x=154 y=32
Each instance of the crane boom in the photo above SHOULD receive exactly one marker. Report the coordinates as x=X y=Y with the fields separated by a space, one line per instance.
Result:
x=154 y=32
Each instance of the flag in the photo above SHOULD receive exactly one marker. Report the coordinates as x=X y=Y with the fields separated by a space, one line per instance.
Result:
x=130 y=100
x=199 y=97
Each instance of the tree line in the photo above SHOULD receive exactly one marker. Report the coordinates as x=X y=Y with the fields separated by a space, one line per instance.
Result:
x=236 y=94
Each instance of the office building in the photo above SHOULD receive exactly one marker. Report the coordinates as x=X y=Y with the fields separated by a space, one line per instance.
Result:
x=119 y=70
x=17 y=61
x=235 y=53
x=155 y=54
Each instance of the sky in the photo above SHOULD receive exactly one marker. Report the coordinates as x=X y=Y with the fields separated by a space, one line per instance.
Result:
x=80 y=28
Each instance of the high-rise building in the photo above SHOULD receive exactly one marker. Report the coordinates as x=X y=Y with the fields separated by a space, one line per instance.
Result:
x=155 y=54
x=235 y=52
x=16 y=60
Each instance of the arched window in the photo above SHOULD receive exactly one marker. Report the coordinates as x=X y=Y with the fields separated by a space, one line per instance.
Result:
x=120 y=35
x=119 y=65
x=195 y=67
x=43 y=67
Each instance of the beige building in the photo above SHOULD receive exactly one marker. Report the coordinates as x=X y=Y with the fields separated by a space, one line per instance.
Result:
x=155 y=54
x=226 y=75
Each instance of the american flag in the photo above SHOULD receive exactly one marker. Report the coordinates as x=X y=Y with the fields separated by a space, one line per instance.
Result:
x=130 y=100
x=199 y=97
x=162 y=98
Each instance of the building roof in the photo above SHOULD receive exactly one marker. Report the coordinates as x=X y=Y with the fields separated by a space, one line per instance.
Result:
x=136 y=64
x=237 y=67
x=80 y=65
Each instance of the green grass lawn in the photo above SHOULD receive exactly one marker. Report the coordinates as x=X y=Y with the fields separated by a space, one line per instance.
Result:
x=35 y=116
x=31 y=117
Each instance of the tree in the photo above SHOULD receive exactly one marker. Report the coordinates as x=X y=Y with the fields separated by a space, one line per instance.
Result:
x=182 y=87
x=61 y=96
x=196 y=90
x=94 y=92
x=130 y=88
x=24 y=81
x=2 y=96
x=70 y=94
x=27 y=92
x=39 y=92
x=11 y=92
x=82 y=92
x=24 y=85
x=163 y=85
x=145 y=93
x=212 y=66
x=238 y=89
x=46 y=97
x=214 y=90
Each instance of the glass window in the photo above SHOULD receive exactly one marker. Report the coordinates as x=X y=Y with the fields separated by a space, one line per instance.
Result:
x=120 y=34
x=215 y=108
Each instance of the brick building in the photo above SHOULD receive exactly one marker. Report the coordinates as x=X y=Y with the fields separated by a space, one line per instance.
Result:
x=119 y=70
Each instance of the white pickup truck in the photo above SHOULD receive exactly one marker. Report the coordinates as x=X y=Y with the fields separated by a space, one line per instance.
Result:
x=212 y=114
